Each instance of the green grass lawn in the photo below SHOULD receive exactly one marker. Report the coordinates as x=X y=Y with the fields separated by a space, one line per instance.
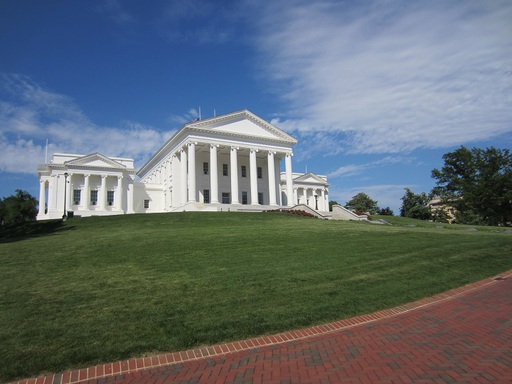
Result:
x=96 y=290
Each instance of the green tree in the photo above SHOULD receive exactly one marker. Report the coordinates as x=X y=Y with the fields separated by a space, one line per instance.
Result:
x=362 y=203
x=415 y=206
x=18 y=208
x=386 y=211
x=478 y=184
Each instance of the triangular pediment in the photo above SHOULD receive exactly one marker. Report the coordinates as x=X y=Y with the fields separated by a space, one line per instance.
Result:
x=96 y=160
x=242 y=123
x=309 y=178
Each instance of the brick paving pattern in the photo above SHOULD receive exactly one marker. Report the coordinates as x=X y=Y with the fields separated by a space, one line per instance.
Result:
x=462 y=336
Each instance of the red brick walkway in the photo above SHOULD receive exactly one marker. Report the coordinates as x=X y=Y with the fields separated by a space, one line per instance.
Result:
x=462 y=336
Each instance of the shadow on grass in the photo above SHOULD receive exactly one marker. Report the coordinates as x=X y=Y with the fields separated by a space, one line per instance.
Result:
x=22 y=231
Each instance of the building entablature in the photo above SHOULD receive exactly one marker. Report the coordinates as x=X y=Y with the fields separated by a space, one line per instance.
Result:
x=239 y=129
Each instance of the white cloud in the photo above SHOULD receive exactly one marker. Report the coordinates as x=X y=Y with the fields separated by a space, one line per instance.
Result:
x=184 y=118
x=203 y=21
x=355 y=169
x=389 y=77
x=115 y=10
x=29 y=115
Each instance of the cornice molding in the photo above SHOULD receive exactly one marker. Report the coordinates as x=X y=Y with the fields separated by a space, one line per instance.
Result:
x=83 y=162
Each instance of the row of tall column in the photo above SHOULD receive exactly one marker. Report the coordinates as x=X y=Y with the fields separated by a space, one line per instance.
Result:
x=188 y=191
x=48 y=187
x=320 y=202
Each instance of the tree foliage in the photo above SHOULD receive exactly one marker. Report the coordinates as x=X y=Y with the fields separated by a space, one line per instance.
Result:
x=386 y=211
x=362 y=203
x=415 y=205
x=18 y=208
x=478 y=183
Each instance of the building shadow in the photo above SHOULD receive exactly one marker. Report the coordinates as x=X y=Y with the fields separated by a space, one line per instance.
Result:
x=22 y=231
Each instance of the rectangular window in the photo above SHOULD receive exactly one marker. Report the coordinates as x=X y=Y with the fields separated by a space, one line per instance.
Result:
x=206 y=196
x=205 y=168
x=76 y=196
x=224 y=170
x=146 y=204
x=110 y=197
x=94 y=197
x=244 y=198
x=225 y=198
x=260 y=172
x=260 y=198
x=244 y=171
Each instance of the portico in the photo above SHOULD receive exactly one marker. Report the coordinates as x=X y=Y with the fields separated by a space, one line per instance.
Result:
x=311 y=190
x=93 y=184
x=230 y=160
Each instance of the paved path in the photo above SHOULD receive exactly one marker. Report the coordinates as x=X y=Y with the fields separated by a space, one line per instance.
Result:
x=462 y=336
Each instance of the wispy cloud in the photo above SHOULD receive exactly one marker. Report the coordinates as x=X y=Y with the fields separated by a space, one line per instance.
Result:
x=355 y=169
x=203 y=21
x=30 y=114
x=115 y=10
x=391 y=76
x=184 y=118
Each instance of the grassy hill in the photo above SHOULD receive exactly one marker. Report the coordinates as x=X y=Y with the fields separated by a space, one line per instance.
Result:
x=95 y=290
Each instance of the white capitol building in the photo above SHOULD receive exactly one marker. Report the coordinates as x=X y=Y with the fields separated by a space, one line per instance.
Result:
x=228 y=162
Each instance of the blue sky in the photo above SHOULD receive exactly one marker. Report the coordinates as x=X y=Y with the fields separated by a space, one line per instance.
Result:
x=375 y=91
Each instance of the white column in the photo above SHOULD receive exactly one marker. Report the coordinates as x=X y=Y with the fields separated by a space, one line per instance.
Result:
x=183 y=160
x=326 y=199
x=69 y=193
x=119 y=193
x=323 y=200
x=168 y=171
x=289 y=180
x=254 y=177
x=129 y=202
x=271 y=179
x=192 y=172
x=52 y=193
x=103 y=192
x=233 y=160
x=295 y=195
x=86 y=197
x=214 y=177
x=174 y=180
x=42 y=196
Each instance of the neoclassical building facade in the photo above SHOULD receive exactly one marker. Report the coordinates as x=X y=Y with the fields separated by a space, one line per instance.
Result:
x=229 y=162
